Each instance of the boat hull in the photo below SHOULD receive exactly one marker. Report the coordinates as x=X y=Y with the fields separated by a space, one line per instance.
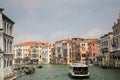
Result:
x=78 y=70
x=40 y=66
x=79 y=75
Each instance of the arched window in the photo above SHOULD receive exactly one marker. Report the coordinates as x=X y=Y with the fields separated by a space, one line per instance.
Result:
x=4 y=63
x=10 y=62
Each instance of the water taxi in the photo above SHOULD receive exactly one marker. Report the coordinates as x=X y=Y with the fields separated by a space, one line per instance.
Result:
x=78 y=70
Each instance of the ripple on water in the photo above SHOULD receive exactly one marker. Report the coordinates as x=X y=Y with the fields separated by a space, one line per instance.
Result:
x=60 y=72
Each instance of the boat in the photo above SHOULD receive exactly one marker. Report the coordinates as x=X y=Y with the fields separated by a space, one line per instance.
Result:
x=39 y=66
x=29 y=70
x=78 y=70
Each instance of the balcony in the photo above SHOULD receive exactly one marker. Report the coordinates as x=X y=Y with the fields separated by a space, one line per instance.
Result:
x=116 y=35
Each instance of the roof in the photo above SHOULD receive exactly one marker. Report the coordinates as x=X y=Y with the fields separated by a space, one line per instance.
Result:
x=78 y=65
x=8 y=19
x=79 y=40
x=5 y=17
x=33 y=44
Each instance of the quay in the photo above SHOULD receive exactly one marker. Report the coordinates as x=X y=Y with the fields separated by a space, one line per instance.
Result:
x=13 y=76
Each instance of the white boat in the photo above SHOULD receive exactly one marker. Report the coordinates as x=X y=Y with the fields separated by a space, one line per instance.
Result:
x=78 y=70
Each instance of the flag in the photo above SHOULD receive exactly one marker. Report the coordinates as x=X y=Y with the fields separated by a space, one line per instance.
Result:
x=113 y=43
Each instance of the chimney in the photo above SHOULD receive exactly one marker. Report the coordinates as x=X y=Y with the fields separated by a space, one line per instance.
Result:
x=118 y=20
x=1 y=9
x=114 y=23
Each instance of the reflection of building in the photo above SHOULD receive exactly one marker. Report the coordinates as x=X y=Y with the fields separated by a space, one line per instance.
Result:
x=115 y=55
x=32 y=52
x=6 y=44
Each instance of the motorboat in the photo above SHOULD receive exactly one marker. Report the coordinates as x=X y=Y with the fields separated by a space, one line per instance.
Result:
x=78 y=70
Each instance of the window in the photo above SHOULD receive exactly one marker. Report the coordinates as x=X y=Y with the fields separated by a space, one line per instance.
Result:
x=0 y=63
x=4 y=62
x=83 y=55
x=5 y=45
x=83 y=49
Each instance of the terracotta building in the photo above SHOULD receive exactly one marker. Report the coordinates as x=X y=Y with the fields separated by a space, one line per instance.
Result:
x=93 y=49
x=75 y=50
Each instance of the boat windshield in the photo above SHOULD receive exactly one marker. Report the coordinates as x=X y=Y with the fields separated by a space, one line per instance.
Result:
x=80 y=69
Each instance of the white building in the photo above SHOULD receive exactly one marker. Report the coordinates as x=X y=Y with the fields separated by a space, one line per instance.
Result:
x=115 y=56
x=62 y=50
x=106 y=47
x=45 y=54
x=32 y=52
x=58 y=51
x=21 y=51
x=6 y=45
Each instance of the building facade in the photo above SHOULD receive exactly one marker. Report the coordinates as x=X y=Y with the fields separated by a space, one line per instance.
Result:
x=6 y=45
x=32 y=53
x=75 y=50
x=52 y=55
x=106 y=48
x=45 y=53
x=59 y=51
x=115 y=55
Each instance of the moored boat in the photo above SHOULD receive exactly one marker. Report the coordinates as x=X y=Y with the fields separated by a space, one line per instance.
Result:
x=39 y=66
x=78 y=70
x=29 y=70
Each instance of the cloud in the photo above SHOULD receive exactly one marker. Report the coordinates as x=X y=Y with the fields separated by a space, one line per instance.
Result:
x=29 y=37
x=59 y=35
x=60 y=14
x=51 y=20
x=25 y=4
x=60 y=2
x=95 y=32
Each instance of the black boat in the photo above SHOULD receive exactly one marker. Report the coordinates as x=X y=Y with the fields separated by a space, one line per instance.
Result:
x=29 y=70
x=39 y=66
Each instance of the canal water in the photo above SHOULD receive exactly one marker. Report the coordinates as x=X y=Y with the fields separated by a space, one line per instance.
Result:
x=60 y=72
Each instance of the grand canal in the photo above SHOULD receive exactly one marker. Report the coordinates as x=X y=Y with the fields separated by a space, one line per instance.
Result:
x=60 y=72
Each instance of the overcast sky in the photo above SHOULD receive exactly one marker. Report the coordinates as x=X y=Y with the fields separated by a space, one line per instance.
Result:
x=52 y=20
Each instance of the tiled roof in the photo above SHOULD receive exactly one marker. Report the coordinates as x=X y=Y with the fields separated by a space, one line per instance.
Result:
x=79 y=40
x=33 y=44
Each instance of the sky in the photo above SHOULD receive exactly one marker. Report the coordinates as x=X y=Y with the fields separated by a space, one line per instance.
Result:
x=53 y=20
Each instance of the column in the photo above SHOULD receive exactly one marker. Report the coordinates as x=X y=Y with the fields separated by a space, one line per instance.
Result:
x=2 y=68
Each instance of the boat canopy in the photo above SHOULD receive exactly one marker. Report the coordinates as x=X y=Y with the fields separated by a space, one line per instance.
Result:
x=78 y=65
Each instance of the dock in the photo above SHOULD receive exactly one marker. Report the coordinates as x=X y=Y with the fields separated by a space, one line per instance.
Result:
x=13 y=76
